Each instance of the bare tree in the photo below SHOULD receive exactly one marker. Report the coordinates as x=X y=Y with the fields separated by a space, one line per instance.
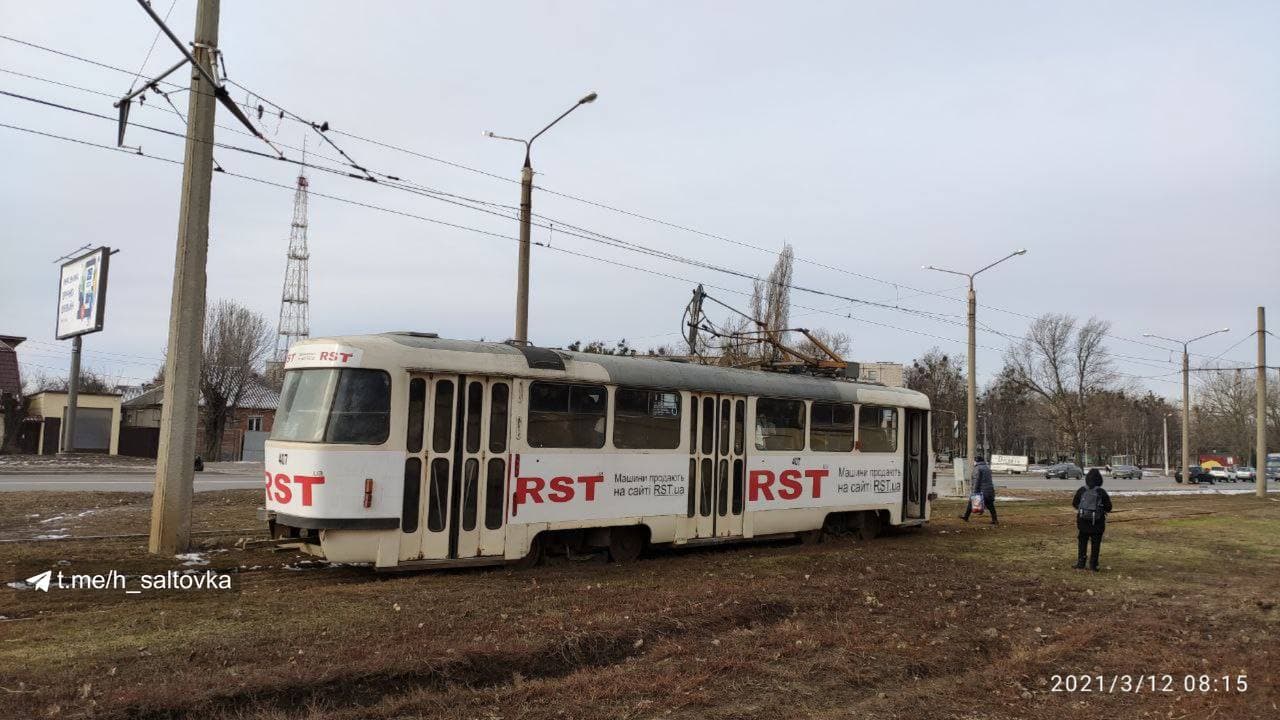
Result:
x=237 y=341
x=941 y=377
x=838 y=342
x=1066 y=366
x=771 y=299
x=1225 y=408
x=91 y=381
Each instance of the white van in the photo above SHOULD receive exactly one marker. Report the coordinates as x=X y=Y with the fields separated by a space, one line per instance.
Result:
x=1015 y=464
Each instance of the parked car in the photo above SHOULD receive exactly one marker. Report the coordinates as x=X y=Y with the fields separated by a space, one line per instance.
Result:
x=1128 y=472
x=1197 y=475
x=1064 y=471
x=1244 y=473
x=1220 y=474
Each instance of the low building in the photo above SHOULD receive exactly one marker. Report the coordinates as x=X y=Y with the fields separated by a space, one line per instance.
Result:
x=248 y=424
x=97 y=421
x=884 y=373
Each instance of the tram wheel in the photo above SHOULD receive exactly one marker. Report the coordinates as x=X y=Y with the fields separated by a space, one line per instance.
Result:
x=534 y=558
x=870 y=526
x=626 y=544
x=810 y=537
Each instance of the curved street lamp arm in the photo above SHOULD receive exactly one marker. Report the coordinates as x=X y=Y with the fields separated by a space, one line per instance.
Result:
x=951 y=272
x=1215 y=332
x=1015 y=253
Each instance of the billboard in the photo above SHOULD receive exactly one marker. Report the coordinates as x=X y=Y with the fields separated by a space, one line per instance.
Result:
x=82 y=294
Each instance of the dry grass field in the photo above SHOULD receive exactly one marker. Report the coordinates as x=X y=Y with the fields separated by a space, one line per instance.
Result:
x=948 y=621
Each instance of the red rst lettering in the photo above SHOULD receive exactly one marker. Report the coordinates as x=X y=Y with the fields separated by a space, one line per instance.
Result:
x=590 y=481
x=758 y=483
x=816 y=476
x=790 y=482
x=561 y=489
x=528 y=489
x=306 y=481
x=283 y=493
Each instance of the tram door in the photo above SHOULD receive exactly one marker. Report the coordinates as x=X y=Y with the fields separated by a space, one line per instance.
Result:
x=456 y=467
x=717 y=465
x=915 y=481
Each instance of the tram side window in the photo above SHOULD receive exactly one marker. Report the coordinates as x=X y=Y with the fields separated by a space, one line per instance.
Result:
x=567 y=416
x=877 y=429
x=779 y=424
x=646 y=419
x=832 y=427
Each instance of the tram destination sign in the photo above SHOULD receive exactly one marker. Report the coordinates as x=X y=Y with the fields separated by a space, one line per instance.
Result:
x=82 y=294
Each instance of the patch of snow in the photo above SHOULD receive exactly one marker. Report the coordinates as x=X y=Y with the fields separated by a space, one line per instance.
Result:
x=194 y=558
x=56 y=535
x=1010 y=498
x=19 y=585
x=1188 y=491
x=49 y=520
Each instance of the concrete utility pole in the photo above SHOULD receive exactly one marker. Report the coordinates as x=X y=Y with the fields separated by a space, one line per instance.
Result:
x=1186 y=396
x=522 y=268
x=971 y=436
x=171 y=502
x=73 y=395
x=526 y=221
x=1260 y=477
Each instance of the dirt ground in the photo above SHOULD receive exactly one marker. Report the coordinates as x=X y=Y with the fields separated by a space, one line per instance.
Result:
x=950 y=621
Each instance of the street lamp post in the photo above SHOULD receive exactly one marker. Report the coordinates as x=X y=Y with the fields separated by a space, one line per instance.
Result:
x=1166 y=444
x=1186 y=399
x=526 y=215
x=971 y=439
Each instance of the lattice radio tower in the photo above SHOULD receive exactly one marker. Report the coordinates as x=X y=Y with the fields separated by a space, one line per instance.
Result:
x=294 y=322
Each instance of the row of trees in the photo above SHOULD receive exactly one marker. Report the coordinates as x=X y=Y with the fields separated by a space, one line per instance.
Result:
x=1059 y=397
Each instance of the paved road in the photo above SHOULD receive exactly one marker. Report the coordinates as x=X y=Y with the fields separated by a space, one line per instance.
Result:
x=123 y=481
x=1147 y=483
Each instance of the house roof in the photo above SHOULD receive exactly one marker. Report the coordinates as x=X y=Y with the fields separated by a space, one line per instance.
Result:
x=256 y=397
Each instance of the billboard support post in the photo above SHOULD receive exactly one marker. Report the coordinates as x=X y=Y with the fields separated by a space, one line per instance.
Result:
x=73 y=393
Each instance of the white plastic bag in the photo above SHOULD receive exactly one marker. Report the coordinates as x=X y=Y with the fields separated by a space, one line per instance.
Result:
x=976 y=505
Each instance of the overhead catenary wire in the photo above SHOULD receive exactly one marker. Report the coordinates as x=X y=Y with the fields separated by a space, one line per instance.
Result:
x=151 y=49
x=298 y=118
x=565 y=228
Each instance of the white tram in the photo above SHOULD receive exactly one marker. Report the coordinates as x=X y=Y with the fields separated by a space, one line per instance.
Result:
x=410 y=450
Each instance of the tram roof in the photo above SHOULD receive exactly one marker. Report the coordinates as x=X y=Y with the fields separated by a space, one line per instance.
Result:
x=648 y=371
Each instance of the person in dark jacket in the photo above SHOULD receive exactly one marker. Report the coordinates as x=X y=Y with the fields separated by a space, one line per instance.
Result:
x=984 y=486
x=1092 y=504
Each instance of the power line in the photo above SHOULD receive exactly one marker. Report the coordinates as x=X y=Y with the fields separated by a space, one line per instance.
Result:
x=297 y=118
x=573 y=230
x=488 y=233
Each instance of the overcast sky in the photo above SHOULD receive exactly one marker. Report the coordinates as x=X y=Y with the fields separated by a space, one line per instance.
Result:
x=1130 y=147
